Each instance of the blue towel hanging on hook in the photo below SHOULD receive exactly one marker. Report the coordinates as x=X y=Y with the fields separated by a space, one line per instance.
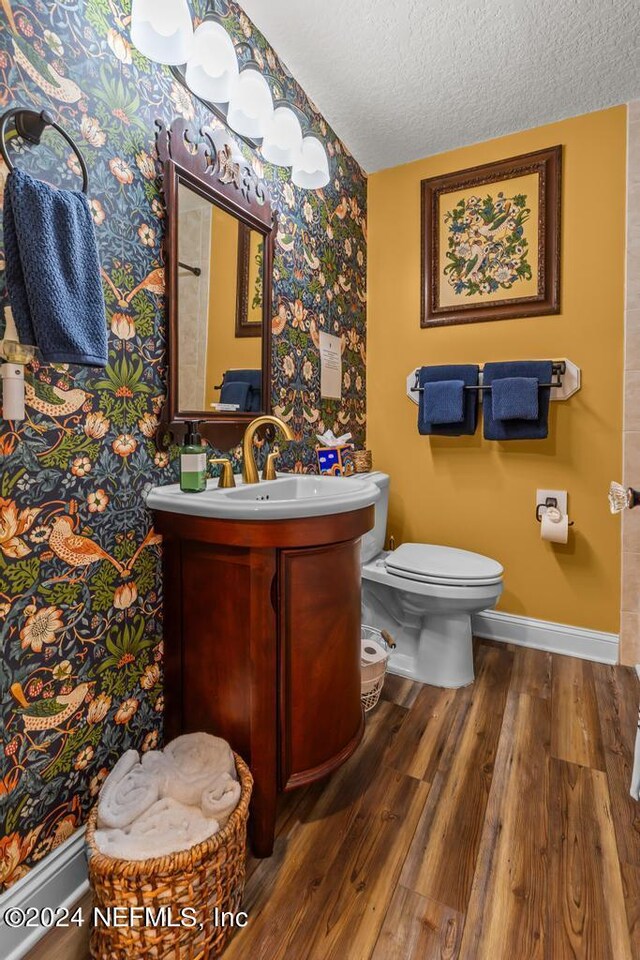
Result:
x=53 y=271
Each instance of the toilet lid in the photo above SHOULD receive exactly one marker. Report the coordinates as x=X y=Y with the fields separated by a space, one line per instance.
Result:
x=445 y=565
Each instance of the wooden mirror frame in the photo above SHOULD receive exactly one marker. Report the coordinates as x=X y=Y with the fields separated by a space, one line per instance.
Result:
x=210 y=165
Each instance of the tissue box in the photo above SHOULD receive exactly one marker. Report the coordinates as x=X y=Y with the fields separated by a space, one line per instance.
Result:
x=336 y=461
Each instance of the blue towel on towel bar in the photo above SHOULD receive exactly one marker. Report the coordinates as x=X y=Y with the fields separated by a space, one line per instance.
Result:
x=443 y=401
x=53 y=271
x=254 y=379
x=468 y=374
x=237 y=392
x=520 y=428
x=515 y=398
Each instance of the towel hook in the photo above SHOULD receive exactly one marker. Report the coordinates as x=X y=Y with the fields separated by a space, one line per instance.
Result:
x=30 y=125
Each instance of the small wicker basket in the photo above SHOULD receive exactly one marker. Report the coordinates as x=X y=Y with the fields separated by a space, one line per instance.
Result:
x=209 y=875
x=372 y=676
x=362 y=461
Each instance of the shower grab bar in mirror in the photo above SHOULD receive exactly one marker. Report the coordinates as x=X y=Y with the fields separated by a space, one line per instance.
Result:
x=196 y=271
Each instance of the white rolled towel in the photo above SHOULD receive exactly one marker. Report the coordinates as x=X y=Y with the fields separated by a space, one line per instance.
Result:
x=220 y=798
x=167 y=827
x=127 y=792
x=188 y=764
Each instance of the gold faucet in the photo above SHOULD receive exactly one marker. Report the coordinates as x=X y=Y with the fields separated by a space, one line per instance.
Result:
x=249 y=469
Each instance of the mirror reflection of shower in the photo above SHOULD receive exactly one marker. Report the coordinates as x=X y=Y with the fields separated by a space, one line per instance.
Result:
x=220 y=266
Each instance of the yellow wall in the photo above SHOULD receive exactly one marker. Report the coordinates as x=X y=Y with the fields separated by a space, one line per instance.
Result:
x=225 y=351
x=478 y=494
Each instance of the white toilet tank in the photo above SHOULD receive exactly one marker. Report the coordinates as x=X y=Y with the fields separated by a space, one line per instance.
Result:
x=373 y=541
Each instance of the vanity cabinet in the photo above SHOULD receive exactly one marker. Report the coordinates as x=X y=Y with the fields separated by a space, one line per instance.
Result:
x=262 y=644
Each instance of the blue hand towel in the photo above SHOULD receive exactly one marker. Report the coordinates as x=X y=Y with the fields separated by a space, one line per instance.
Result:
x=443 y=401
x=520 y=428
x=254 y=379
x=468 y=374
x=236 y=392
x=53 y=271
x=515 y=398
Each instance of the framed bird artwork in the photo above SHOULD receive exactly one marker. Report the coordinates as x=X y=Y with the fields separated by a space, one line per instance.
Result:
x=491 y=241
x=249 y=287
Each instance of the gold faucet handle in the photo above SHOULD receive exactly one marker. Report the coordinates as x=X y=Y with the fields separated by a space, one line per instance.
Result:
x=269 y=470
x=227 y=478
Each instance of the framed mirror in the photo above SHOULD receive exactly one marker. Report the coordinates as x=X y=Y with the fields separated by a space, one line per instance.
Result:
x=218 y=262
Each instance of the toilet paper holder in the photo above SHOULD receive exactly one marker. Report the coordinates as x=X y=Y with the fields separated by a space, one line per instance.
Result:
x=549 y=502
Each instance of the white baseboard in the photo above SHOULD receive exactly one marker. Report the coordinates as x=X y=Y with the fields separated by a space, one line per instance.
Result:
x=57 y=881
x=545 y=635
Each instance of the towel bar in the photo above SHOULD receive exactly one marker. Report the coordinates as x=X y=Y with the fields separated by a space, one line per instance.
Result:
x=30 y=125
x=558 y=370
x=565 y=382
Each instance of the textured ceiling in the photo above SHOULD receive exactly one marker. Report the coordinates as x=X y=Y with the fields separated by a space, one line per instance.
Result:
x=403 y=79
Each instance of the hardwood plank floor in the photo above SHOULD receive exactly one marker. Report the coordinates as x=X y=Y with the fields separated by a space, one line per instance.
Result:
x=631 y=891
x=531 y=673
x=442 y=858
x=417 y=749
x=576 y=735
x=487 y=823
x=416 y=927
x=587 y=915
x=617 y=695
x=511 y=869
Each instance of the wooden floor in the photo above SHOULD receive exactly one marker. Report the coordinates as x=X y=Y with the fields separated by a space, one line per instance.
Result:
x=485 y=823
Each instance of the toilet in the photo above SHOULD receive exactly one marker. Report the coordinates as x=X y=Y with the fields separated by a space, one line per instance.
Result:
x=425 y=595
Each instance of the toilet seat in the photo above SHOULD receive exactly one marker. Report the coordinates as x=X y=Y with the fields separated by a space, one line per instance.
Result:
x=446 y=566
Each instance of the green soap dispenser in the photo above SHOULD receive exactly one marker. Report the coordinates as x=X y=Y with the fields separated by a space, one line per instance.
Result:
x=193 y=461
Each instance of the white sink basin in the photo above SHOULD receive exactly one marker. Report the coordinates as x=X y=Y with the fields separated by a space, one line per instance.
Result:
x=287 y=497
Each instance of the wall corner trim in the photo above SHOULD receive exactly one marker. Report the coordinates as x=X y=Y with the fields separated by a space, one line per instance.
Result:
x=56 y=882
x=545 y=635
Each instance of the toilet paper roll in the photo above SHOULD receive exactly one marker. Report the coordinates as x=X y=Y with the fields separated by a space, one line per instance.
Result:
x=554 y=526
x=372 y=652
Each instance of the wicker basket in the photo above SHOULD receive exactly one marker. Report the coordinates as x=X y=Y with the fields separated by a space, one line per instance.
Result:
x=362 y=461
x=372 y=681
x=208 y=875
x=370 y=692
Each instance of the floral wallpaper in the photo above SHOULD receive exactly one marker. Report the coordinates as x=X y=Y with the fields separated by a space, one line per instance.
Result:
x=80 y=587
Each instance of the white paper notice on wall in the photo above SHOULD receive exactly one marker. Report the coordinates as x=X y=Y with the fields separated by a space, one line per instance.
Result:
x=330 y=366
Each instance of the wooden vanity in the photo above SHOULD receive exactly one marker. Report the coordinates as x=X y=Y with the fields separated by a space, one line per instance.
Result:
x=262 y=644
x=262 y=604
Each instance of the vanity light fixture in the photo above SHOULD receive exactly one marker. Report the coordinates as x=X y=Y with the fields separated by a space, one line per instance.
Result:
x=282 y=138
x=311 y=167
x=212 y=68
x=206 y=62
x=162 y=30
x=251 y=105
